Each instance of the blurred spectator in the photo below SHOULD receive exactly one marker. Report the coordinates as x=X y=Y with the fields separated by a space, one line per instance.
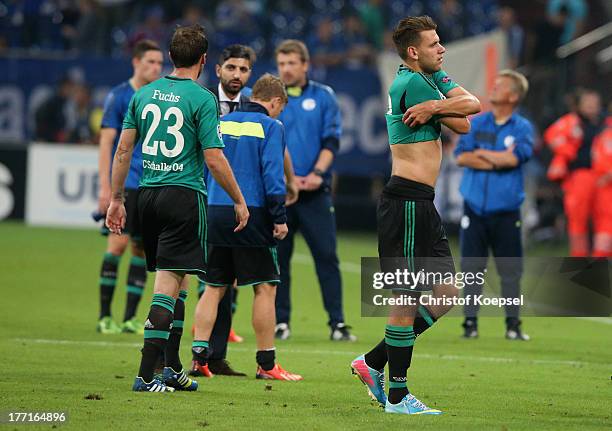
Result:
x=576 y=11
x=359 y=51
x=373 y=19
x=515 y=35
x=571 y=140
x=326 y=46
x=548 y=34
x=52 y=115
x=236 y=23
x=87 y=36
x=82 y=131
x=287 y=21
x=153 y=28
x=449 y=20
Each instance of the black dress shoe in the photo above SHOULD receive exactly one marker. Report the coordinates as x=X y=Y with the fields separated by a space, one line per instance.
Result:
x=223 y=368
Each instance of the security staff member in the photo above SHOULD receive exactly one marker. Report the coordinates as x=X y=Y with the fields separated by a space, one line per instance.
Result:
x=492 y=187
x=571 y=139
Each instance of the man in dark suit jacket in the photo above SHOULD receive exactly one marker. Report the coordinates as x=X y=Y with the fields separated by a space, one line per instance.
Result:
x=233 y=70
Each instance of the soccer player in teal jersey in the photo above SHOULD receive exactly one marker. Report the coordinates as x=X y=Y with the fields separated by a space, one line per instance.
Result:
x=178 y=121
x=409 y=226
x=147 y=61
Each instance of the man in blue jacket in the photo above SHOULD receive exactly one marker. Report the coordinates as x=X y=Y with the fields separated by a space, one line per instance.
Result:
x=493 y=153
x=255 y=149
x=312 y=121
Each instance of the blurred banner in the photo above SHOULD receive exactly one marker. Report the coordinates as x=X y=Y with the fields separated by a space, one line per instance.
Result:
x=364 y=149
x=62 y=185
x=12 y=182
x=31 y=82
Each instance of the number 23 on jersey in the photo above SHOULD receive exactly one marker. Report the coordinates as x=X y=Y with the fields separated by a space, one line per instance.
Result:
x=172 y=115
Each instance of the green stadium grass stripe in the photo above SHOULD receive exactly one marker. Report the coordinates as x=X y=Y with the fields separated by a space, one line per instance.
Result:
x=348 y=354
x=305 y=259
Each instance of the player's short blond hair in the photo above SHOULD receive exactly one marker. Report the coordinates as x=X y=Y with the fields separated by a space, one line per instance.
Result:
x=267 y=87
x=290 y=46
x=519 y=82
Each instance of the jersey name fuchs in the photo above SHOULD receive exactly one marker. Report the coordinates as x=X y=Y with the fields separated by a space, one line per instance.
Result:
x=171 y=97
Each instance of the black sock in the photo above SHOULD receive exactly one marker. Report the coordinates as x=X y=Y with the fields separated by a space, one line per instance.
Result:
x=157 y=331
x=400 y=342
x=174 y=341
x=265 y=358
x=377 y=357
x=423 y=321
x=108 y=280
x=137 y=277
x=201 y=288
x=199 y=351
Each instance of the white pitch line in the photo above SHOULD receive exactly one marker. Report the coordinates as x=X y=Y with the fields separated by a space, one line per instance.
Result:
x=495 y=359
x=355 y=268
x=306 y=259
x=604 y=320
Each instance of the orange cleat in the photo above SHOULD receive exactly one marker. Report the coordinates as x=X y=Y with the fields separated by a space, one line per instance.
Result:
x=234 y=338
x=198 y=370
x=277 y=373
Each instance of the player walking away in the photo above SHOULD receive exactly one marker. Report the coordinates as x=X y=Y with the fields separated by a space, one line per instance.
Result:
x=255 y=147
x=179 y=121
x=147 y=60
x=312 y=123
x=493 y=154
x=570 y=139
x=234 y=71
x=408 y=224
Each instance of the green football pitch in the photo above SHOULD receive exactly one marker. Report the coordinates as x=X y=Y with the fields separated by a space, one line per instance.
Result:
x=53 y=360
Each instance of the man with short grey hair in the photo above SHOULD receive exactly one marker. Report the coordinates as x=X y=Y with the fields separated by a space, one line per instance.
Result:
x=493 y=153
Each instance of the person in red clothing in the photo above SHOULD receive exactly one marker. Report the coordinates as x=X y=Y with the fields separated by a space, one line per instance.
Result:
x=602 y=216
x=571 y=139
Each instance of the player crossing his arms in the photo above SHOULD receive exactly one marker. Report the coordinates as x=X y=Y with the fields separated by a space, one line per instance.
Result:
x=408 y=224
x=147 y=60
x=255 y=147
x=179 y=122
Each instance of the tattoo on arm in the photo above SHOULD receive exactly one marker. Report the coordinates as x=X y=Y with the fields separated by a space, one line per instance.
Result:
x=121 y=151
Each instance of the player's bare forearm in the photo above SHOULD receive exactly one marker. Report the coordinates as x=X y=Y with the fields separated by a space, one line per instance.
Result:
x=223 y=174
x=326 y=158
x=500 y=159
x=107 y=138
x=459 y=106
x=121 y=162
x=470 y=160
x=459 y=125
x=460 y=102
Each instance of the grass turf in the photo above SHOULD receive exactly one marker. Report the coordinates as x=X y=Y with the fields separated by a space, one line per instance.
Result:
x=53 y=360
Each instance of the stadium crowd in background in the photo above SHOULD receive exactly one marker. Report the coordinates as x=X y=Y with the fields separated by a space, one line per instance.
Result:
x=262 y=24
x=340 y=33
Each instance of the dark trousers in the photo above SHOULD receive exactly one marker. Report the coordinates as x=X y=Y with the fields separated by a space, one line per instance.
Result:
x=223 y=325
x=500 y=232
x=313 y=215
